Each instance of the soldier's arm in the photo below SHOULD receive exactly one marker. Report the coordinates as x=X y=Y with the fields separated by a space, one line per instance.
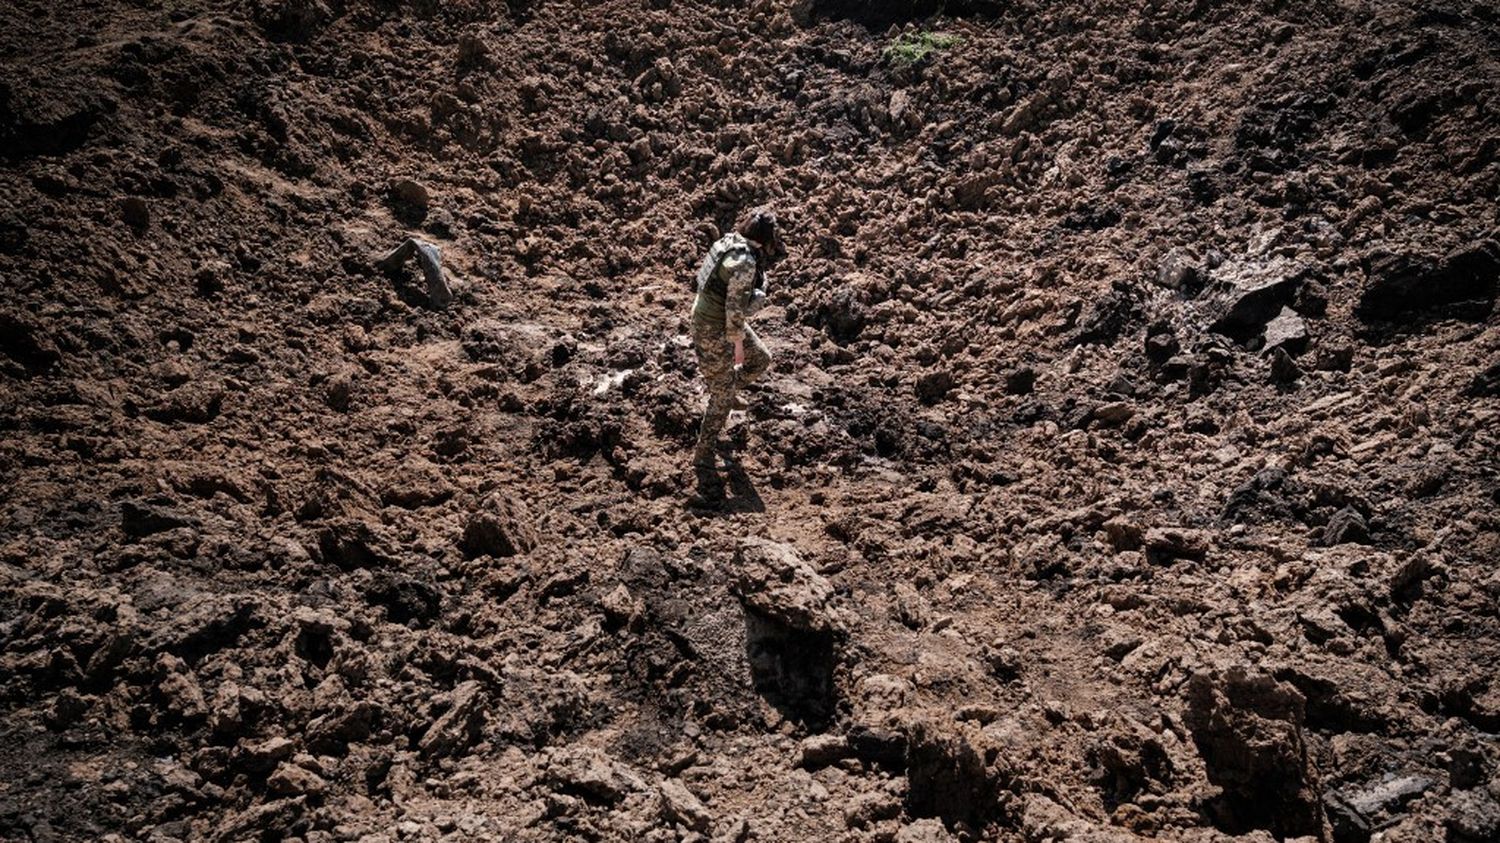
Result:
x=740 y=275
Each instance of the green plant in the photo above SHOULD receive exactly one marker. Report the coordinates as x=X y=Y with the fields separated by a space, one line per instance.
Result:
x=912 y=47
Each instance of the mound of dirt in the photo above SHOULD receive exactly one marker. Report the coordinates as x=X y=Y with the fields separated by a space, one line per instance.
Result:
x=1127 y=467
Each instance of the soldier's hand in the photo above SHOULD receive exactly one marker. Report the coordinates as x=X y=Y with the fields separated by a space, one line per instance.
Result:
x=739 y=352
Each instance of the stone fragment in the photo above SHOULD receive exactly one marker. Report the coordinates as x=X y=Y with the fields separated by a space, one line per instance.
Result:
x=291 y=780
x=1114 y=413
x=934 y=386
x=954 y=774
x=681 y=806
x=1020 y=381
x=1284 y=369
x=591 y=772
x=1249 y=295
x=866 y=809
x=1346 y=526
x=411 y=192
x=502 y=527
x=1164 y=544
x=775 y=582
x=819 y=751
x=1287 y=331
x=1123 y=533
x=459 y=726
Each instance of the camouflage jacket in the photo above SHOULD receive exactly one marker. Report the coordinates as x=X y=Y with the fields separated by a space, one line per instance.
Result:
x=731 y=286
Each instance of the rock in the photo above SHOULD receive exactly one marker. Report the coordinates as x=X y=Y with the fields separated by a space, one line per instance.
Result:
x=1472 y=816
x=195 y=402
x=1179 y=272
x=406 y=600
x=1486 y=384
x=1284 y=370
x=291 y=780
x=1404 y=284
x=502 y=527
x=1248 y=729
x=338 y=391
x=1161 y=342
x=411 y=193
x=144 y=516
x=1164 y=544
x=681 y=806
x=1123 y=533
x=621 y=608
x=843 y=315
x=1346 y=526
x=589 y=771
x=1113 y=414
x=775 y=582
x=875 y=745
x=1287 y=331
x=1020 y=381
x=472 y=50
x=135 y=213
x=1249 y=295
x=866 y=809
x=819 y=751
x=416 y=483
x=954 y=774
x=934 y=386
x=264 y=755
x=925 y=831
x=459 y=726
x=1334 y=357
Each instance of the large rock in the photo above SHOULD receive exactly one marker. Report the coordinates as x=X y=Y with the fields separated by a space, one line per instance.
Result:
x=775 y=582
x=502 y=527
x=1248 y=728
x=1403 y=285
x=1248 y=295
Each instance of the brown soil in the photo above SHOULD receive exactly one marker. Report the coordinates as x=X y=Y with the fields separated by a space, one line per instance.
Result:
x=1128 y=466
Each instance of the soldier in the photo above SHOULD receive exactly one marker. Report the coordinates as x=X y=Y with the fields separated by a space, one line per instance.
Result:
x=731 y=285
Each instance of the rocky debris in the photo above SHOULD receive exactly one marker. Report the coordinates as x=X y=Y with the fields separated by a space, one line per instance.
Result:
x=1248 y=728
x=1165 y=544
x=135 y=213
x=412 y=194
x=429 y=259
x=292 y=780
x=501 y=526
x=1020 y=381
x=679 y=805
x=817 y=751
x=195 y=402
x=934 y=386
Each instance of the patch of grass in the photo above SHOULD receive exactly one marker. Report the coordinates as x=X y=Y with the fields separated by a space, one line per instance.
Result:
x=912 y=47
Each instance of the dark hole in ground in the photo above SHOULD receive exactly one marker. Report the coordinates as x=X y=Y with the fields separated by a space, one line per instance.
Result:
x=793 y=670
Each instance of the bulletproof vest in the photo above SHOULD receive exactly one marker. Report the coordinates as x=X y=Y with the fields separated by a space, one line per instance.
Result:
x=708 y=273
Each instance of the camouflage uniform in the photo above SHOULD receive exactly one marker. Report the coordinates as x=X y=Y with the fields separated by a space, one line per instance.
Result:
x=731 y=287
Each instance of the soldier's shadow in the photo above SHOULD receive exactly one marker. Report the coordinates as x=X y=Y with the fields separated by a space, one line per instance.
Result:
x=716 y=497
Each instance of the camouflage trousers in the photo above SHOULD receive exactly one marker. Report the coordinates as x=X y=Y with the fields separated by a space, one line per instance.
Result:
x=716 y=362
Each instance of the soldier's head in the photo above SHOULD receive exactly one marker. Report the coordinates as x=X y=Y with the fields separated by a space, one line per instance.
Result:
x=759 y=227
